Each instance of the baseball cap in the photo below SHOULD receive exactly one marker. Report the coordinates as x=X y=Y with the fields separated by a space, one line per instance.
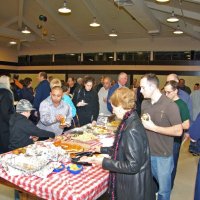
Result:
x=24 y=105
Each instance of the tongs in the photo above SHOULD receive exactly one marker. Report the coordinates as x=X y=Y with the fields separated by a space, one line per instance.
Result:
x=81 y=154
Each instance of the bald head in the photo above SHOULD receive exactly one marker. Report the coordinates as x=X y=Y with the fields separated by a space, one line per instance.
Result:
x=172 y=77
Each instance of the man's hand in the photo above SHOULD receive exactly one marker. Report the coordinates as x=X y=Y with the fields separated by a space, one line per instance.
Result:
x=148 y=124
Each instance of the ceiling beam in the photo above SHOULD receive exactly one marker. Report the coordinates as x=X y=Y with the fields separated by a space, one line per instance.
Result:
x=10 y=22
x=186 y=28
x=59 y=19
x=196 y=28
x=90 y=6
x=193 y=1
x=20 y=13
x=177 y=11
x=9 y=33
x=36 y=31
x=143 y=15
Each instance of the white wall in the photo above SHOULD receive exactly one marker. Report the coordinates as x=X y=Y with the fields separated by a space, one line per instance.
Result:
x=8 y=54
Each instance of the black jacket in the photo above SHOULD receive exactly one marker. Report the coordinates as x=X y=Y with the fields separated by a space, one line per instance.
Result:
x=21 y=129
x=26 y=93
x=6 y=109
x=90 y=112
x=132 y=167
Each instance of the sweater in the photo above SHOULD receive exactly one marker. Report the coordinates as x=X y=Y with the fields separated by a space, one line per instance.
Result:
x=21 y=129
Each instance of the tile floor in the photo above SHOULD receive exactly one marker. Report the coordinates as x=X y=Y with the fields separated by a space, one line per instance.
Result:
x=184 y=182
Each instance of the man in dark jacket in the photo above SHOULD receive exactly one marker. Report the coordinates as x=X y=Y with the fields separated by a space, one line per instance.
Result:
x=42 y=91
x=22 y=130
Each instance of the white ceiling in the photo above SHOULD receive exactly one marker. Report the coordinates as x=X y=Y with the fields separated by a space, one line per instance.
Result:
x=130 y=18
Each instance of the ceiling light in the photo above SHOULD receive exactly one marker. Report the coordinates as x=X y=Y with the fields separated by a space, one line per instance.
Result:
x=173 y=18
x=25 y=30
x=12 y=42
x=64 y=9
x=178 y=31
x=94 y=23
x=162 y=1
x=113 y=33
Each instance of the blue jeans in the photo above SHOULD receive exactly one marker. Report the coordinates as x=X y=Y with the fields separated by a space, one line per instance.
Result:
x=162 y=169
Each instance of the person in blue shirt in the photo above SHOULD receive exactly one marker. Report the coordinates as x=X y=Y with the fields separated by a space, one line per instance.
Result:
x=195 y=136
x=66 y=98
x=122 y=80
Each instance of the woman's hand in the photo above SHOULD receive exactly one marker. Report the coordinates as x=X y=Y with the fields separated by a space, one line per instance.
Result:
x=96 y=149
x=93 y=160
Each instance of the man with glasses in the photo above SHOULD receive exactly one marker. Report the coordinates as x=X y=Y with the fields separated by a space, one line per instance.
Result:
x=171 y=91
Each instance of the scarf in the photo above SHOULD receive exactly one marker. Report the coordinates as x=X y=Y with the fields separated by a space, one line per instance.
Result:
x=115 y=148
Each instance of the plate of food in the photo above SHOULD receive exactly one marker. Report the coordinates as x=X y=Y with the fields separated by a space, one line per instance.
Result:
x=74 y=168
x=71 y=147
x=85 y=137
x=114 y=123
x=19 y=151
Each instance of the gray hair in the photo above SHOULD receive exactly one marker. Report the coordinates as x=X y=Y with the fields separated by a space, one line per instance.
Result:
x=5 y=80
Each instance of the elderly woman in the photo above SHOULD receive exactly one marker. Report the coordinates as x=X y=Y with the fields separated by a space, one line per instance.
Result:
x=87 y=102
x=129 y=165
x=6 y=109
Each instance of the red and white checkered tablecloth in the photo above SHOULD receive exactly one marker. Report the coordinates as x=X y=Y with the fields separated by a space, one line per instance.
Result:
x=90 y=184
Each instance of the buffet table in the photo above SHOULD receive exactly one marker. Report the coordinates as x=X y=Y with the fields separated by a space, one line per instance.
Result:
x=90 y=184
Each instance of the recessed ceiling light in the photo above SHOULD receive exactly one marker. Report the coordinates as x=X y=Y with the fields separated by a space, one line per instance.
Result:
x=64 y=9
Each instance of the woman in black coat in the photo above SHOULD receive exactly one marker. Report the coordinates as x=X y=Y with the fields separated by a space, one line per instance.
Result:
x=129 y=166
x=87 y=102
x=6 y=109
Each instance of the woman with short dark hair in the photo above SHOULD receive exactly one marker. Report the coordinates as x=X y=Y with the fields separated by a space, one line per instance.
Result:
x=87 y=102
x=27 y=91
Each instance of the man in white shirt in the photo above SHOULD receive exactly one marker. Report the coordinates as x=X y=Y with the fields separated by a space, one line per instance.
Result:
x=52 y=112
x=103 y=93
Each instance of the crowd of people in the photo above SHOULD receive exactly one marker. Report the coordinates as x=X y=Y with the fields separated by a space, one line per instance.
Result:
x=154 y=123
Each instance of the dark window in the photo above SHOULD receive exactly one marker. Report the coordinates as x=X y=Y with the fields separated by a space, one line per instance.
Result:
x=98 y=57
x=70 y=58
x=41 y=59
x=133 y=56
x=179 y=55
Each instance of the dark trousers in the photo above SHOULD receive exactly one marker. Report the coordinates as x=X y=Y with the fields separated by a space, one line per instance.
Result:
x=197 y=186
x=176 y=151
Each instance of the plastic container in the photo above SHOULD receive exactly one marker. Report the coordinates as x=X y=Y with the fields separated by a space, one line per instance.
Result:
x=77 y=171
x=59 y=169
